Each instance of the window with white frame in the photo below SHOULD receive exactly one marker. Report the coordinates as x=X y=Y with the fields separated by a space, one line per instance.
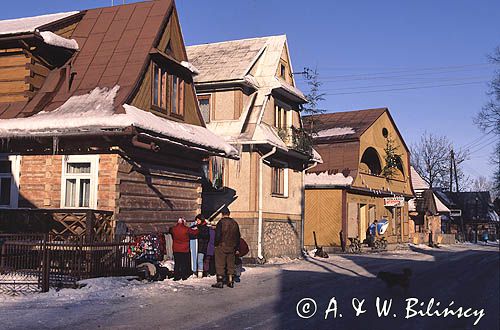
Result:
x=279 y=184
x=9 y=180
x=79 y=181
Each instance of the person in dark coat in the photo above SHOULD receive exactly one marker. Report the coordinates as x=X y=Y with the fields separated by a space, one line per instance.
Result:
x=180 y=246
x=203 y=239
x=227 y=241
x=209 y=262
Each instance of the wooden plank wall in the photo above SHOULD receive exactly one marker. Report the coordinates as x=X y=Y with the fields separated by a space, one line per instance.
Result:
x=145 y=199
x=323 y=214
x=13 y=71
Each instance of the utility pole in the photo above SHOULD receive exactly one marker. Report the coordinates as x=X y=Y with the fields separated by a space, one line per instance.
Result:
x=456 y=174
x=452 y=156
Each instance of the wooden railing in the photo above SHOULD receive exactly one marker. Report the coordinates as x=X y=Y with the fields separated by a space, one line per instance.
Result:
x=87 y=224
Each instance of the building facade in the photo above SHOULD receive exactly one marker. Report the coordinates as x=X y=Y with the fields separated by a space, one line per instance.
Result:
x=247 y=94
x=100 y=113
x=365 y=175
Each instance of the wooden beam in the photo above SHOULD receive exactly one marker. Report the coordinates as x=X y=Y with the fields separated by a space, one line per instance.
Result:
x=38 y=69
x=36 y=81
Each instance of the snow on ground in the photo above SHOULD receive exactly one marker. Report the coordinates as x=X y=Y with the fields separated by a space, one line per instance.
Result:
x=100 y=290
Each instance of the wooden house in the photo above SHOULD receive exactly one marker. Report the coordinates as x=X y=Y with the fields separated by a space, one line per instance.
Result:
x=354 y=185
x=99 y=122
x=247 y=94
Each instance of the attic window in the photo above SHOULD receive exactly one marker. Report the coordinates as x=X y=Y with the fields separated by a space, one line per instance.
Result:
x=282 y=70
x=160 y=87
x=385 y=132
x=167 y=92
x=370 y=162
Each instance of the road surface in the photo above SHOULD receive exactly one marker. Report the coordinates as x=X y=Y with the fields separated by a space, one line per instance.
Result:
x=267 y=298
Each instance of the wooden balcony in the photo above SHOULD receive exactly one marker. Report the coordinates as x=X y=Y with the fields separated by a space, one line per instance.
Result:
x=91 y=225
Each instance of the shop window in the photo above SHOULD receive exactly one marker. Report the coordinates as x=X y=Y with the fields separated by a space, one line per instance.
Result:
x=370 y=162
x=79 y=181
x=9 y=180
x=279 y=184
x=204 y=102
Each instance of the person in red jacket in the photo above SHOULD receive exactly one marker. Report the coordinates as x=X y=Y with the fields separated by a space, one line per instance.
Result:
x=180 y=245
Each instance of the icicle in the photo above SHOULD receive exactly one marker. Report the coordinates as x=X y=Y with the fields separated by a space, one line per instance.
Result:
x=55 y=145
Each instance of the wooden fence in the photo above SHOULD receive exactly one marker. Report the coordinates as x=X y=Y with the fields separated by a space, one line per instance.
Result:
x=40 y=261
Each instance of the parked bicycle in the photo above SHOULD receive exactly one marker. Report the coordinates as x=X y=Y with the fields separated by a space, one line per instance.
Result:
x=354 y=246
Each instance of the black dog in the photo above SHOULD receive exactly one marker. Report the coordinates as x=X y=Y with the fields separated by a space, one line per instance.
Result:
x=395 y=279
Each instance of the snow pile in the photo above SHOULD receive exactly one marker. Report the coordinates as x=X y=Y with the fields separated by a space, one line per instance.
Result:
x=280 y=260
x=335 y=131
x=95 y=110
x=55 y=40
x=190 y=67
x=30 y=24
x=324 y=178
x=316 y=157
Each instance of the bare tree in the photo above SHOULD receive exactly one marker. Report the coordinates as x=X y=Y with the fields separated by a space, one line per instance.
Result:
x=314 y=97
x=488 y=119
x=431 y=158
x=481 y=184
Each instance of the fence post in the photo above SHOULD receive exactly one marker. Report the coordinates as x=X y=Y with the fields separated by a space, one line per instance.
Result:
x=89 y=226
x=2 y=258
x=45 y=265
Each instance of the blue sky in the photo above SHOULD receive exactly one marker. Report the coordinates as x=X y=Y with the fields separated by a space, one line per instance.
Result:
x=361 y=46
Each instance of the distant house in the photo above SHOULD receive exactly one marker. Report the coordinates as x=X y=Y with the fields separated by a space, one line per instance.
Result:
x=477 y=211
x=98 y=113
x=247 y=94
x=354 y=185
x=428 y=213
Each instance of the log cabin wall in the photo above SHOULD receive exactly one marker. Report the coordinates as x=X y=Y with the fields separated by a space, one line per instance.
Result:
x=153 y=196
x=13 y=75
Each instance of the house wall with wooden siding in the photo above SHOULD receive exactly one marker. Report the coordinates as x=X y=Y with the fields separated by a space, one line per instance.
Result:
x=147 y=201
x=323 y=214
x=13 y=72
x=40 y=181
x=373 y=137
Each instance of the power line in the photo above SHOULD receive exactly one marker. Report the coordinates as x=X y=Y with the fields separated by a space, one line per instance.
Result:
x=408 y=88
x=380 y=75
x=404 y=84
x=484 y=146
x=397 y=70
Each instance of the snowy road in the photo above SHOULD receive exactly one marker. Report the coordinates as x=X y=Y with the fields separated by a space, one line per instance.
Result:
x=267 y=297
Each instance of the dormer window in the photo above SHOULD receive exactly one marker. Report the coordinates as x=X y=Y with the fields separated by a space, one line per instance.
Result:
x=167 y=92
x=160 y=87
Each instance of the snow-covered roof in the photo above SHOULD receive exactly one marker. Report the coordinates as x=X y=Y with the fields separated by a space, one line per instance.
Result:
x=53 y=39
x=95 y=111
x=440 y=207
x=316 y=157
x=190 y=67
x=416 y=180
x=30 y=24
x=325 y=179
x=335 y=131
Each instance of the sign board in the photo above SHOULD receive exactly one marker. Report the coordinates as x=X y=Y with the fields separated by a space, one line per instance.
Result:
x=394 y=201
x=456 y=213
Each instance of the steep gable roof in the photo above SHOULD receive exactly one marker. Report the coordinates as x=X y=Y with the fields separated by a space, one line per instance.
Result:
x=225 y=61
x=116 y=45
